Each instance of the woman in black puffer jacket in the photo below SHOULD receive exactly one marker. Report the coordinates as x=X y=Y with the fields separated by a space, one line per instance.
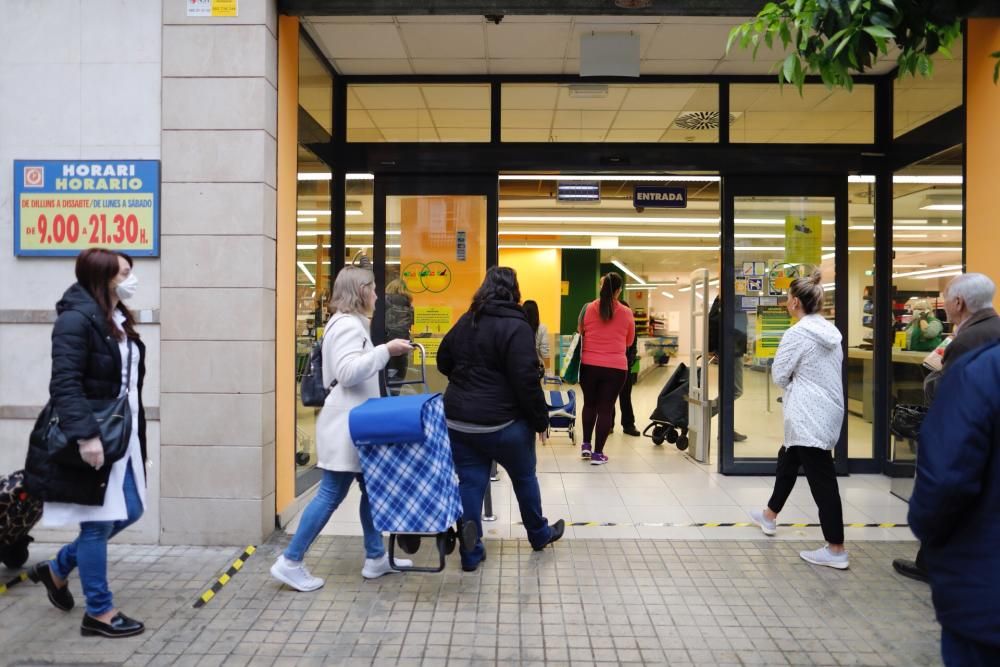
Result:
x=96 y=356
x=495 y=406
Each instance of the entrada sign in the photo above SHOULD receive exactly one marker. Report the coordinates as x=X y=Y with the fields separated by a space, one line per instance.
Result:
x=657 y=196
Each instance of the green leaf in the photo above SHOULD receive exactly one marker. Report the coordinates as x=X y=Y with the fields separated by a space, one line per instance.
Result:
x=788 y=67
x=879 y=31
x=786 y=35
x=888 y=3
x=843 y=44
x=855 y=4
x=946 y=52
x=799 y=76
x=996 y=73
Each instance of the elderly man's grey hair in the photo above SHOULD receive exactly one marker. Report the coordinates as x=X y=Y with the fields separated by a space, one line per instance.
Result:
x=976 y=289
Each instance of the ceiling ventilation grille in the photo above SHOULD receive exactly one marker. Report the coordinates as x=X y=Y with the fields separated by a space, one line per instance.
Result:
x=700 y=120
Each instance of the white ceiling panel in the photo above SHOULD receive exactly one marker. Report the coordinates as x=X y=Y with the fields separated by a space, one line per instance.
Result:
x=437 y=18
x=401 y=118
x=364 y=135
x=463 y=134
x=525 y=66
x=444 y=40
x=655 y=97
x=678 y=66
x=763 y=65
x=309 y=20
x=389 y=97
x=688 y=42
x=676 y=135
x=518 y=134
x=529 y=96
x=526 y=40
x=524 y=119
x=593 y=120
x=613 y=100
x=410 y=134
x=660 y=120
x=460 y=118
x=470 y=96
x=357 y=67
x=360 y=40
x=578 y=135
x=634 y=135
x=448 y=66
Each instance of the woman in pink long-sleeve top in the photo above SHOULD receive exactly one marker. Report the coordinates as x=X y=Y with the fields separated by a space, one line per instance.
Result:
x=608 y=329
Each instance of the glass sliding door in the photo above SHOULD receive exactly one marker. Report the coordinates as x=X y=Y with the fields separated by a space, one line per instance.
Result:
x=777 y=230
x=434 y=239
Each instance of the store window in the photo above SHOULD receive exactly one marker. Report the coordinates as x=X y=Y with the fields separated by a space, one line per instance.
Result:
x=860 y=286
x=313 y=242
x=918 y=99
x=379 y=113
x=765 y=114
x=927 y=249
x=599 y=112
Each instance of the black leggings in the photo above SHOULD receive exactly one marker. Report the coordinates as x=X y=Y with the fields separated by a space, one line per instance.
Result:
x=822 y=477
x=601 y=387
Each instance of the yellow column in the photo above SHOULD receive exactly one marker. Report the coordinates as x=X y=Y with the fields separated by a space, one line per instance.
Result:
x=982 y=146
x=288 y=105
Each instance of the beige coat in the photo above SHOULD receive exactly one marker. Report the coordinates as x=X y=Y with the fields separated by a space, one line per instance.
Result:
x=350 y=358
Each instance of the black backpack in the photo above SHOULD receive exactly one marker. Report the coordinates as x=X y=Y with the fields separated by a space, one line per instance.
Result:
x=311 y=387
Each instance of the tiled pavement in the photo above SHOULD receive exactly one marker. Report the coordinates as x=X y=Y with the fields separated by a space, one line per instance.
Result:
x=706 y=602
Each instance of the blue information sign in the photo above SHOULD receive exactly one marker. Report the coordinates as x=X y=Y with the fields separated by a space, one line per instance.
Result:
x=64 y=206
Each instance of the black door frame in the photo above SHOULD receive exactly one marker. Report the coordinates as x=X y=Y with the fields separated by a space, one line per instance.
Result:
x=734 y=186
x=402 y=185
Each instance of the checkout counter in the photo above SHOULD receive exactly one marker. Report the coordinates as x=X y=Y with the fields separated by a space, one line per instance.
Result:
x=907 y=387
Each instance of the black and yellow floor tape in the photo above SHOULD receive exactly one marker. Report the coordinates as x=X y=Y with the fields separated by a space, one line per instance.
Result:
x=225 y=578
x=730 y=524
x=4 y=587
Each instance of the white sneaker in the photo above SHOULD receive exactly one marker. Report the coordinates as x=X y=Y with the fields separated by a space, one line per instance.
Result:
x=824 y=556
x=295 y=575
x=376 y=567
x=768 y=527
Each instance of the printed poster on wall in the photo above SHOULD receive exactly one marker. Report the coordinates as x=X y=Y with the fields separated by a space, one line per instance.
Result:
x=804 y=239
x=64 y=206
x=431 y=319
x=772 y=323
x=212 y=8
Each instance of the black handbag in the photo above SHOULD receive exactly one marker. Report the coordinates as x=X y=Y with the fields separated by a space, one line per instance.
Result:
x=906 y=421
x=114 y=419
x=311 y=388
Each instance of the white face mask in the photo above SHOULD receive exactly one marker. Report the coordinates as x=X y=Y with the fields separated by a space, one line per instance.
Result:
x=127 y=288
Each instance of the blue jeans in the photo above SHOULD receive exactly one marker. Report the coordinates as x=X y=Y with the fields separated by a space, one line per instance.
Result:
x=958 y=651
x=514 y=449
x=89 y=551
x=333 y=489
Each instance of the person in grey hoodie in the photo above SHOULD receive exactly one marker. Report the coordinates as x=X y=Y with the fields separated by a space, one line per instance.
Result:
x=808 y=366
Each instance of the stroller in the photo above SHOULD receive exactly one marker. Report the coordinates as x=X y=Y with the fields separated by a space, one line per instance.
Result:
x=19 y=512
x=562 y=408
x=405 y=454
x=669 y=420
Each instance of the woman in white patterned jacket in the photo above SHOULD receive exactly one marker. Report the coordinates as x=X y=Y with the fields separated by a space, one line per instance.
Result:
x=808 y=366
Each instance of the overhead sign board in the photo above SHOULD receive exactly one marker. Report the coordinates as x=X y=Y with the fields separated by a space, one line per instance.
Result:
x=656 y=196
x=64 y=206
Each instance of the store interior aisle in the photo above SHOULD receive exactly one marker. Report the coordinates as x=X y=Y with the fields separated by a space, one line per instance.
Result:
x=658 y=492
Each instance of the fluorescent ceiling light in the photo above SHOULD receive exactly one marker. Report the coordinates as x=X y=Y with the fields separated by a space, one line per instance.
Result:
x=909 y=228
x=311 y=246
x=908 y=236
x=313 y=232
x=610 y=177
x=604 y=241
x=864 y=178
x=941 y=207
x=945 y=274
x=306 y=219
x=576 y=232
x=326 y=176
x=938 y=269
x=928 y=179
x=773 y=222
x=759 y=236
x=306 y=271
x=909 y=266
x=329 y=212
x=648 y=285
x=667 y=294
x=628 y=272
x=829 y=255
x=637 y=219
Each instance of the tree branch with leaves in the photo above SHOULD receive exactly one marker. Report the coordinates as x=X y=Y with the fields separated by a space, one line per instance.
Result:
x=837 y=39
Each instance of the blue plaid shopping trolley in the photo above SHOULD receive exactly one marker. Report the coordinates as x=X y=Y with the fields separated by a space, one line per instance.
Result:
x=412 y=486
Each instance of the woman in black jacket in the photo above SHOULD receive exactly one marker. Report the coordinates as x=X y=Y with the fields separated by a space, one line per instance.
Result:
x=96 y=356
x=495 y=406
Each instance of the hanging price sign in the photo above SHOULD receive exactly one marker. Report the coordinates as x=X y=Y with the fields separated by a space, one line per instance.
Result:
x=64 y=206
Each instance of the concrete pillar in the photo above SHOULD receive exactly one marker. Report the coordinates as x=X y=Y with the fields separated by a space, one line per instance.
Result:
x=218 y=279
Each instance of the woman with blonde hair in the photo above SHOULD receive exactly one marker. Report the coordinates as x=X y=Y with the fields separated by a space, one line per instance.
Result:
x=809 y=367
x=398 y=322
x=351 y=364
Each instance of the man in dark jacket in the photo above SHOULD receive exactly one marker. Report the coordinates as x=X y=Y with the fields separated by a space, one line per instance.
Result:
x=739 y=348
x=955 y=504
x=968 y=301
x=625 y=397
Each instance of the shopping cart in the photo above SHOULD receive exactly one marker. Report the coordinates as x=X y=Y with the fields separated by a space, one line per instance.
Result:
x=412 y=487
x=561 y=405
